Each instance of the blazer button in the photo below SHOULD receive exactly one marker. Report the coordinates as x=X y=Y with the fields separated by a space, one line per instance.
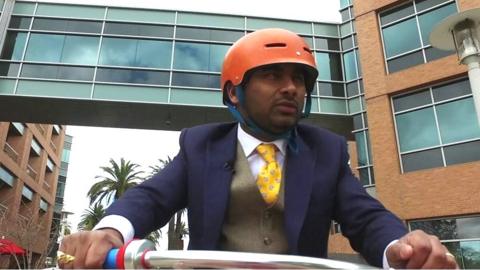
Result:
x=267 y=241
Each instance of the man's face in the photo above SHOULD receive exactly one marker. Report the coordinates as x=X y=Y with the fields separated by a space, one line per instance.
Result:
x=274 y=97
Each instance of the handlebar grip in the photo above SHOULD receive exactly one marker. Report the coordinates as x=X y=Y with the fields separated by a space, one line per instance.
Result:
x=111 y=259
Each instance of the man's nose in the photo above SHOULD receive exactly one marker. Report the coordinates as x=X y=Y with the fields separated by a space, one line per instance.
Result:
x=289 y=86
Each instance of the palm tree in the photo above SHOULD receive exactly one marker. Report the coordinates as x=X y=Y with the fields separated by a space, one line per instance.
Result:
x=119 y=178
x=157 y=168
x=91 y=217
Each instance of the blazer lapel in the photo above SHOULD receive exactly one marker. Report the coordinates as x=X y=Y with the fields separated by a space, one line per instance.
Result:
x=218 y=175
x=298 y=186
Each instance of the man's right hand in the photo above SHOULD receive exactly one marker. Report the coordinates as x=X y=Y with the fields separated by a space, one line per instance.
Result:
x=89 y=248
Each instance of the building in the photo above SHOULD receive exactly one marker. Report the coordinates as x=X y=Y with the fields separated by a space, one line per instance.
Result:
x=29 y=168
x=405 y=106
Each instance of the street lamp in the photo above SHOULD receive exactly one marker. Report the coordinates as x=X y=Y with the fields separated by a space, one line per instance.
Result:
x=461 y=32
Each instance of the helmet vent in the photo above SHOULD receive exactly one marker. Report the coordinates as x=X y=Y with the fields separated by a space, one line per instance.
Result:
x=307 y=50
x=277 y=44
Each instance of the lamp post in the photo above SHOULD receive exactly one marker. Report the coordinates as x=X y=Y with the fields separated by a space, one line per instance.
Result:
x=461 y=32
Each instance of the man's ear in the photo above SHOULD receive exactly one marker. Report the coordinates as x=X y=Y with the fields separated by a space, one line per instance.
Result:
x=232 y=93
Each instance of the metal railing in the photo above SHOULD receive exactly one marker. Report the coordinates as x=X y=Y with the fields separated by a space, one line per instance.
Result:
x=8 y=149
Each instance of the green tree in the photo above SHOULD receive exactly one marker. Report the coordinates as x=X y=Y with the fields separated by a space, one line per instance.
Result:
x=91 y=217
x=119 y=178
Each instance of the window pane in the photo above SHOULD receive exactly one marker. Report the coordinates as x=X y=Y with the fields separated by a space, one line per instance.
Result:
x=20 y=22
x=405 y=61
x=354 y=105
x=462 y=153
x=401 y=37
x=198 y=56
x=424 y=4
x=207 y=34
x=133 y=29
x=73 y=11
x=67 y=25
x=347 y=43
x=141 y=15
x=346 y=29
x=196 y=80
x=80 y=50
x=326 y=29
x=6 y=176
x=434 y=53
x=331 y=89
x=9 y=69
x=333 y=105
x=210 y=20
x=132 y=76
x=297 y=27
x=135 y=53
x=131 y=93
x=352 y=89
x=361 y=149
x=350 y=66
x=413 y=100
x=456 y=89
x=428 y=20
x=196 y=97
x=458 y=121
x=468 y=227
x=422 y=160
x=364 y=179
x=329 y=66
x=345 y=15
x=357 y=121
x=396 y=13
x=45 y=47
x=417 y=130
x=445 y=229
x=14 y=45
x=57 y=72
x=327 y=44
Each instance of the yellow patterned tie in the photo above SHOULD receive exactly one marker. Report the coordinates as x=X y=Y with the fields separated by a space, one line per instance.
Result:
x=270 y=176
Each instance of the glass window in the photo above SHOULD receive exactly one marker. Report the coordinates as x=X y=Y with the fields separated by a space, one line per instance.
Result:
x=43 y=205
x=451 y=90
x=131 y=93
x=50 y=164
x=422 y=160
x=333 y=105
x=14 y=45
x=458 y=121
x=199 y=56
x=347 y=43
x=67 y=25
x=62 y=48
x=434 y=53
x=189 y=96
x=401 y=37
x=461 y=153
x=363 y=175
x=354 y=105
x=9 y=69
x=327 y=44
x=350 y=66
x=405 y=61
x=132 y=76
x=6 y=176
x=207 y=34
x=140 y=15
x=135 y=53
x=297 y=27
x=196 y=80
x=361 y=149
x=345 y=15
x=331 y=89
x=344 y=3
x=20 y=22
x=54 y=89
x=425 y=4
x=57 y=72
x=346 y=29
x=326 y=29
x=412 y=100
x=396 y=13
x=357 y=121
x=24 y=8
x=428 y=20
x=211 y=20
x=133 y=29
x=352 y=89
x=329 y=66
x=417 y=130
x=27 y=193
x=72 y=11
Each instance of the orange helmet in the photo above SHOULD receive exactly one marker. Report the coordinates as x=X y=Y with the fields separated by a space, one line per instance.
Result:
x=265 y=47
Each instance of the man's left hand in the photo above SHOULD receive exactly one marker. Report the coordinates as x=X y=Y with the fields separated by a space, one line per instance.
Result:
x=420 y=250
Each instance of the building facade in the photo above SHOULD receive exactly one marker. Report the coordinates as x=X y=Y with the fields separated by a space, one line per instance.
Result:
x=29 y=168
x=406 y=107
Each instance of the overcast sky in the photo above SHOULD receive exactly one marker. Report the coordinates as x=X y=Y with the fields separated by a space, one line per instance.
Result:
x=93 y=146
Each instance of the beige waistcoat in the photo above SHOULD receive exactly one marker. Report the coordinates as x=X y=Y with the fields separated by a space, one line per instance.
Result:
x=250 y=225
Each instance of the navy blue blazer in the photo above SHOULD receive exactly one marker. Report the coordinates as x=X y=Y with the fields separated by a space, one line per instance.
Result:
x=319 y=188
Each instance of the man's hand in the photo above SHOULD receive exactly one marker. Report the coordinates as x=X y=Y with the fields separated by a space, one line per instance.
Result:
x=420 y=250
x=89 y=248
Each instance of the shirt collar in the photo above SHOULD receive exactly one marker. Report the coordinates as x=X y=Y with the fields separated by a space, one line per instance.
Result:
x=249 y=143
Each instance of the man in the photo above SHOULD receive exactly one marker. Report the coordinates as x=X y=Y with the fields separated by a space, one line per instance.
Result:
x=266 y=183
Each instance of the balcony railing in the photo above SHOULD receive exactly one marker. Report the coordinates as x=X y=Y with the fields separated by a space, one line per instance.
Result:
x=41 y=129
x=54 y=148
x=31 y=172
x=3 y=211
x=46 y=186
x=8 y=149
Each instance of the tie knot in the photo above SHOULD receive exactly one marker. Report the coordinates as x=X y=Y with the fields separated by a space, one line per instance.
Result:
x=267 y=152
